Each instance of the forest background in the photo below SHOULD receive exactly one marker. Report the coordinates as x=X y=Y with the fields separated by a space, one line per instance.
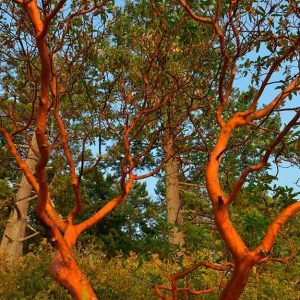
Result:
x=98 y=98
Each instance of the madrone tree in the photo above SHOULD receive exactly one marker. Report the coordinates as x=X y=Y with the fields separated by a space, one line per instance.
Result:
x=63 y=112
x=258 y=44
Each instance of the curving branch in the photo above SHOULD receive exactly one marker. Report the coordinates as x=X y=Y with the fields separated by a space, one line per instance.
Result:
x=240 y=182
x=274 y=228
x=193 y=15
x=175 y=277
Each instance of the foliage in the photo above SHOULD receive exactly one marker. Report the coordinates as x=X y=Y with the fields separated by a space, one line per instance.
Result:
x=132 y=277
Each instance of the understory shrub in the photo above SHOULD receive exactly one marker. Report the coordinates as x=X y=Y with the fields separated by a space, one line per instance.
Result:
x=132 y=277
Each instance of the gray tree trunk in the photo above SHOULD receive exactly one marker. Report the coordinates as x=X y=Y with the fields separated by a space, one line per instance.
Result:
x=174 y=211
x=12 y=241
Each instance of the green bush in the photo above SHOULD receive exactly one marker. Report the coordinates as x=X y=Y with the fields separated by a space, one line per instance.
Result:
x=132 y=277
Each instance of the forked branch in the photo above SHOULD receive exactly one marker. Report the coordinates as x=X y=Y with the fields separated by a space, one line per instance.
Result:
x=181 y=275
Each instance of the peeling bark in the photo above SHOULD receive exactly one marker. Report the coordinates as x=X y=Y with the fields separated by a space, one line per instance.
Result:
x=70 y=276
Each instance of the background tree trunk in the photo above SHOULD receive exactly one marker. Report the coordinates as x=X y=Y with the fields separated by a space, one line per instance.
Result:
x=12 y=241
x=173 y=203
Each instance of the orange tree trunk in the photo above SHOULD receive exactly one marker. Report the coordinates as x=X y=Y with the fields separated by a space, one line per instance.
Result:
x=70 y=276
x=237 y=284
x=66 y=271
